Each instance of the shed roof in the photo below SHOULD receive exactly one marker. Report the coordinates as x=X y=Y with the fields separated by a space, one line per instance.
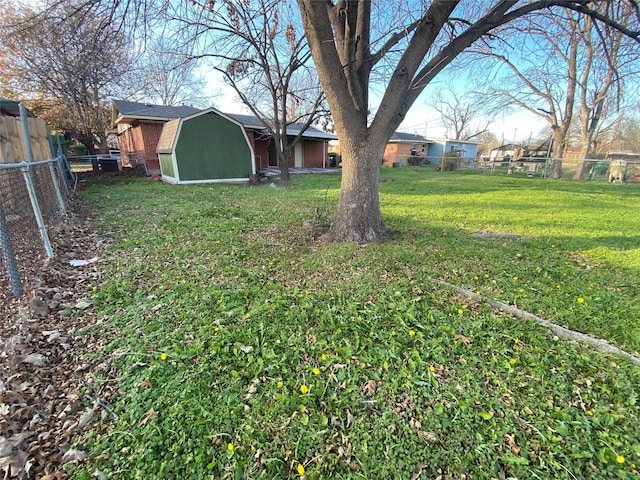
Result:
x=11 y=108
x=167 y=139
x=124 y=111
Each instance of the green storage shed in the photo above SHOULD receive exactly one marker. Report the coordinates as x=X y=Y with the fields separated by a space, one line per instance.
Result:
x=207 y=146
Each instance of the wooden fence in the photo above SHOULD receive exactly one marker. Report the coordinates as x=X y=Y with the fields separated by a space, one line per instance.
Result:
x=12 y=148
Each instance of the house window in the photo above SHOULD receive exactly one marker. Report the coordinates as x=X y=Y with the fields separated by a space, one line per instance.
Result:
x=423 y=148
x=414 y=149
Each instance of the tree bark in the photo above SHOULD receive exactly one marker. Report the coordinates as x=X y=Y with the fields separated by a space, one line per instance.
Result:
x=359 y=218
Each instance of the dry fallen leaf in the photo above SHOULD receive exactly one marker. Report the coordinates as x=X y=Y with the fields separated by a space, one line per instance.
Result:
x=59 y=475
x=429 y=436
x=462 y=338
x=73 y=455
x=510 y=440
x=147 y=416
x=36 y=359
x=370 y=387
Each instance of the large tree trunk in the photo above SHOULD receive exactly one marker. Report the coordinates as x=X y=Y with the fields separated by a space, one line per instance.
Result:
x=559 y=144
x=584 y=153
x=358 y=218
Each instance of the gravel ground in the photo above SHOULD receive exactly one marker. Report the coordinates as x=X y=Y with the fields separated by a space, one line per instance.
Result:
x=49 y=392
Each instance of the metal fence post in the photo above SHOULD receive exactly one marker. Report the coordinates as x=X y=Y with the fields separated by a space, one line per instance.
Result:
x=56 y=186
x=26 y=171
x=8 y=256
x=25 y=132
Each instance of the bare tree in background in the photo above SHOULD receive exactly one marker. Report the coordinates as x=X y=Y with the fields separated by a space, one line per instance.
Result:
x=464 y=115
x=564 y=69
x=488 y=141
x=609 y=58
x=541 y=74
x=167 y=74
x=72 y=62
x=263 y=56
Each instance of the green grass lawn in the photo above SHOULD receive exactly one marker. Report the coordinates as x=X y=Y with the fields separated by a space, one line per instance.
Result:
x=244 y=350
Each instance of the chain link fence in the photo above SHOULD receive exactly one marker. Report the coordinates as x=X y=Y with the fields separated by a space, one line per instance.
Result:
x=32 y=201
x=589 y=169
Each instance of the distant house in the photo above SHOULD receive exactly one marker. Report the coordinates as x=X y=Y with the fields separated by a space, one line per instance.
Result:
x=504 y=153
x=512 y=152
x=404 y=149
x=140 y=126
x=467 y=150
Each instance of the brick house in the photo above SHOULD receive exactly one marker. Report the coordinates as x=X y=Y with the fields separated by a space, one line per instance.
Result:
x=140 y=126
x=403 y=146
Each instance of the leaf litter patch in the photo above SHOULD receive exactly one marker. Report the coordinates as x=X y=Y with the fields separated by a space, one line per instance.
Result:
x=50 y=390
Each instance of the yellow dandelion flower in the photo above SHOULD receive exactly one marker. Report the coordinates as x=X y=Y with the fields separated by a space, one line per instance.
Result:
x=580 y=300
x=230 y=447
x=316 y=371
x=323 y=357
x=163 y=356
x=216 y=329
x=512 y=361
x=432 y=369
x=476 y=277
x=393 y=332
x=589 y=412
x=515 y=279
x=486 y=275
x=553 y=246
x=460 y=311
x=300 y=469
x=477 y=292
x=557 y=286
x=304 y=389
x=288 y=452
x=279 y=384
x=521 y=290
x=412 y=333
x=620 y=459
x=94 y=289
x=306 y=292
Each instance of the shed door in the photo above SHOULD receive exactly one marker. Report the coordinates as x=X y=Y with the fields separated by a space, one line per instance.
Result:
x=299 y=155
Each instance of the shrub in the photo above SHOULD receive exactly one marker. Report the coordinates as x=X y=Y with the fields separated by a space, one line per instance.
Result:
x=415 y=161
x=450 y=161
x=78 y=149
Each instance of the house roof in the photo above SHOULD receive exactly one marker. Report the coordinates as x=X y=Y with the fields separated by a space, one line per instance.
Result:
x=11 y=108
x=453 y=140
x=408 y=137
x=124 y=111
x=250 y=121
